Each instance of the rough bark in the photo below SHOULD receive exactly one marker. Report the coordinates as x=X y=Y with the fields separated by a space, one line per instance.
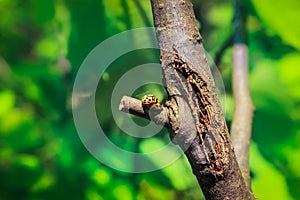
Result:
x=193 y=114
x=196 y=122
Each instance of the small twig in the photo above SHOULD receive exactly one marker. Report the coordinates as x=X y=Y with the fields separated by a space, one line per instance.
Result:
x=133 y=106
x=157 y=114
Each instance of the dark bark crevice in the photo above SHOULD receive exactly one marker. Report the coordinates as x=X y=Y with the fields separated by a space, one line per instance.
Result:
x=193 y=114
x=190 y=86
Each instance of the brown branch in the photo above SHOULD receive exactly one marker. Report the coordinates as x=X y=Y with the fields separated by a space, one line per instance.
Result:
x=157 y=114
x=195 y=119
x=132 y=106
x=243 y=109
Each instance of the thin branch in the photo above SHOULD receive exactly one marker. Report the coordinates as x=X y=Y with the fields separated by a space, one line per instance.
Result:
x=157 y=114
x=132 y=106
x=243 y=109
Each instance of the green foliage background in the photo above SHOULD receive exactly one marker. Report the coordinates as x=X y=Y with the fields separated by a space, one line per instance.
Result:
x=42 y=45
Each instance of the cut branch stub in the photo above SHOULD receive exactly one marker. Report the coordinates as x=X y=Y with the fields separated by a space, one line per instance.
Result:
x=155 y=113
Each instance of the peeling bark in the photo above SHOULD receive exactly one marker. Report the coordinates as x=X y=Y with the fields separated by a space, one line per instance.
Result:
x=193 y=114
x=196 y=121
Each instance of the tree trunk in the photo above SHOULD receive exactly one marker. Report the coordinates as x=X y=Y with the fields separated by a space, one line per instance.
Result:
x=195 y=119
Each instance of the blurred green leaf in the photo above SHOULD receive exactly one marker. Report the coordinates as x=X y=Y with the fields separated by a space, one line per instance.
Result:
x=122 y=191
x=28 y=161
x=268 y=182
x=46 y=49
x=92 y=193
x=290 y=74
x=41 y=11
x=292 y=159
x=178 y=172
x=229 y=107
x=267 y=88
x=281 y=17
x=45 y=181
x=43 y=43
x=101 y=177
x=7 y=102
x=127 y=14
x=155 y=192
x=221 y=15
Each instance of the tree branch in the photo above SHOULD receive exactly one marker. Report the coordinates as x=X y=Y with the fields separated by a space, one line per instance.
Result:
x=243 y=109
x=195 y=119
x=157 y=114
x=132 y=106
x=195 y=114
